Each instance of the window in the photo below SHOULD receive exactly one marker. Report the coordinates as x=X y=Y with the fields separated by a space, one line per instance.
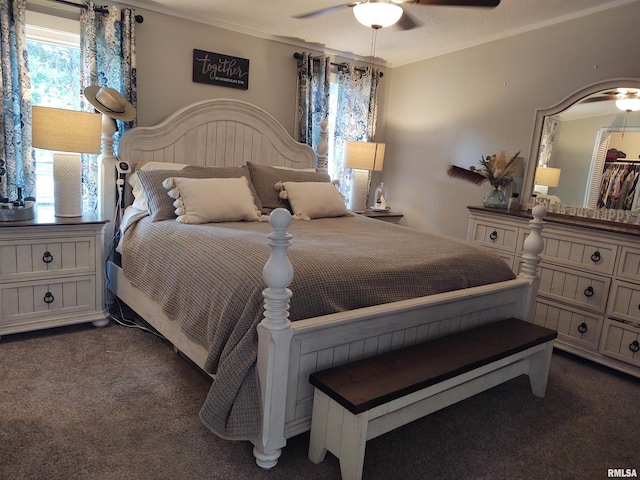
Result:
x=53 y=46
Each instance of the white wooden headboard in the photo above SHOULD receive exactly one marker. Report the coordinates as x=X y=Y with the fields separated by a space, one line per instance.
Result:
x=217 y=132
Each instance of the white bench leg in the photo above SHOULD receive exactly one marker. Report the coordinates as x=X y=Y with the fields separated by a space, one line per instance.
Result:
x=539 y=365
x=319 y=417
x=352 y=446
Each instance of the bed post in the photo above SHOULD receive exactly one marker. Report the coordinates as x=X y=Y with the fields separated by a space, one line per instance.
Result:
x=533 y=246
x=323 y=147
x=274 y=337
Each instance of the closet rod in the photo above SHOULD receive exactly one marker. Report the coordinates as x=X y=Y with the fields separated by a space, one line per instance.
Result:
x=298 y=56
x=138 y=18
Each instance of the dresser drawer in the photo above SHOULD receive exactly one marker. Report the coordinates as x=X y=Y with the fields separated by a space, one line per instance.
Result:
x=583 y=290
x=495 y=235
x=625 y=301
x=629 y=264
x=22 y=300
x=22 y=260
x=574 y=326
x=621 y=341
x=579 y=252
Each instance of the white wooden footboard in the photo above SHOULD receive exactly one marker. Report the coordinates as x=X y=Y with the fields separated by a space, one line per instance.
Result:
x=288 y=353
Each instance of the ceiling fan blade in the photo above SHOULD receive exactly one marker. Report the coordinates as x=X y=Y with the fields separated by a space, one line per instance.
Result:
x=601 y=98
x=326 y=10
x=407 y=22
x=460 y=3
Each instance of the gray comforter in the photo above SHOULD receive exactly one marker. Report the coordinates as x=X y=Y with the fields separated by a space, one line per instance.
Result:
x=209 y=278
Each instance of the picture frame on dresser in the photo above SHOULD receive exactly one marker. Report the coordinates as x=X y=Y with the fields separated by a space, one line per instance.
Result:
x=52 y=272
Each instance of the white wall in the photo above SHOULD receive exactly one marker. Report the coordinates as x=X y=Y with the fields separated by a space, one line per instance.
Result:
x=454 y=108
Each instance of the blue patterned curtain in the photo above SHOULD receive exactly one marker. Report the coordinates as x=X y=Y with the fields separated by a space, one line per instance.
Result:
x=107 y=49
x=15 y=111
x=356 y=116
x=313 y=97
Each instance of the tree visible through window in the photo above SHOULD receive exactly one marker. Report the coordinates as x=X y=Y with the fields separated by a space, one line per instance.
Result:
x=55 y=82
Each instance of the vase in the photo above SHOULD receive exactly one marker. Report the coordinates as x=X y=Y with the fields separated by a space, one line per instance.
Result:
x=495 y=199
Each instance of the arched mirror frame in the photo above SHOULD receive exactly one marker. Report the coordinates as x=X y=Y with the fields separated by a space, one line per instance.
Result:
x=532 y=164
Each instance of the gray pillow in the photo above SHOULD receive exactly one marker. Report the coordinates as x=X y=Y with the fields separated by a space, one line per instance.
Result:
x=264 y=179
x=160 y=204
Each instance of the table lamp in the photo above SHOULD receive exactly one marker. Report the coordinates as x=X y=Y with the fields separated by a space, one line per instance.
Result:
x=68 y=133
x=363 y=158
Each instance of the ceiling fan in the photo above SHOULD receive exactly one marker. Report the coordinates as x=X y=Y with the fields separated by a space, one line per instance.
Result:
x=404 y=20
x=627 y=99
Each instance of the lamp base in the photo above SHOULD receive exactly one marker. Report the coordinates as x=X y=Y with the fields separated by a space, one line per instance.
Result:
x=359 y=190
x=67 y=184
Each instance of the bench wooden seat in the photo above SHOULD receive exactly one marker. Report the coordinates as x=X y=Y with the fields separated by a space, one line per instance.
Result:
x=359 y=401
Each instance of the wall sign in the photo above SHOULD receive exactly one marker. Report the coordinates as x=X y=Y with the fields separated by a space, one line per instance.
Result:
x=218 y=69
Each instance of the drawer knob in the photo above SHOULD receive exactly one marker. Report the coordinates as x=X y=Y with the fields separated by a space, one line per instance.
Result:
x=588 y=292
x=595 y=256
x=582 y=328
x=493 y=235
x=47 y=257
x=634 y=346
x=48 y=297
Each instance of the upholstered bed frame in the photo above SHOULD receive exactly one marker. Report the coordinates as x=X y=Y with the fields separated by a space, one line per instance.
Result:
x=230 y=132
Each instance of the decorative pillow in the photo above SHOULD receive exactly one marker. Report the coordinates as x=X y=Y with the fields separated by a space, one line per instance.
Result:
x=159 y=205
x=139 y=198
x=264 y=179
x=206 y=200
x=313 y=199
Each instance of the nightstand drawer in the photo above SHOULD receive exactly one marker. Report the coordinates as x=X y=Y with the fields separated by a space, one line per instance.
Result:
x=625 y=301
x=19 y=301
x=621 y=341
x=22 y=260
x=583 y=290
x=574 y=326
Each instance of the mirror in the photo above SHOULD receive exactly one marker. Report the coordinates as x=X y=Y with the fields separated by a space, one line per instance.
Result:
x=573 y=138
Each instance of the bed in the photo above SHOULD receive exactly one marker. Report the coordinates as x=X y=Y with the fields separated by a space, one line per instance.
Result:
x=260 y=344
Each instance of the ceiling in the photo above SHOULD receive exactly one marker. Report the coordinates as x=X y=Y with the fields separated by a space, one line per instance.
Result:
x=442 y=29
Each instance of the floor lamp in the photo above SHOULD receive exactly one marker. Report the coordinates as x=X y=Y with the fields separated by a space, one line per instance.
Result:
x=363 y=158
x=68 y=133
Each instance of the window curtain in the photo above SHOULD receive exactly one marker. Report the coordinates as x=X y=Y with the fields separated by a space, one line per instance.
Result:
x=107 y=49
x=356 y=116
x=313 y=98
x=17 y=162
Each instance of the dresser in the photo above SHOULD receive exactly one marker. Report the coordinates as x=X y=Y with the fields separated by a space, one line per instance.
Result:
x=589 y=280
x=51 y=272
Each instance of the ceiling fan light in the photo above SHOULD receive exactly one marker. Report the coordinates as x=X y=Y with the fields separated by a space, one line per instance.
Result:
x=629 y=104
x=377 y=15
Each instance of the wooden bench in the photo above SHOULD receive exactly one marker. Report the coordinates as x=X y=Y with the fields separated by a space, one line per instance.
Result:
x=359 y=401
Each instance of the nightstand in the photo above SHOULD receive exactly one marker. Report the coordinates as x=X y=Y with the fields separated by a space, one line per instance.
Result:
x=51 y=272
x=387 y=216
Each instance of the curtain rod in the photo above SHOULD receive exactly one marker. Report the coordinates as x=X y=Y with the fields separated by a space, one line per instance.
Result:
x=138 y=18
x=298 y=56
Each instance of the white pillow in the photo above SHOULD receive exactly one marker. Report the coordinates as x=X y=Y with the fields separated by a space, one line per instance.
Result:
x=313 y=199
x=139 y=199
x=206 y=200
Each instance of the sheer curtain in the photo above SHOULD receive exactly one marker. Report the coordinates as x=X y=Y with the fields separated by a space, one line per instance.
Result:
x=313 y=97
x=356 y=116
x=107 y=49
x=19 y=169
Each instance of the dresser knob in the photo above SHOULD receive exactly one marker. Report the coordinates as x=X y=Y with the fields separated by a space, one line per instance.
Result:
x=493 y=235
x=582 y=328
x=634 y=346
x=588 y=292
x=595 y=256
x=47 y=257
x=48 y=297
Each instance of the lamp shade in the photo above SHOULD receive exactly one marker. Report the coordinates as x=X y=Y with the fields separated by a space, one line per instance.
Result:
x=377 y=14
x=547 y=176
x=66 y=130
x=364 y=155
